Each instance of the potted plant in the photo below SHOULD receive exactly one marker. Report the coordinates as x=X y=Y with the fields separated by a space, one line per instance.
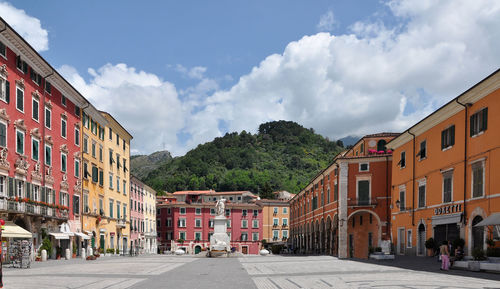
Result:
x=117 y=251
x=477 y=255
x=430 y=244
x=181 y=241
x=490 y=243
x=58 y=252
x=74 y=250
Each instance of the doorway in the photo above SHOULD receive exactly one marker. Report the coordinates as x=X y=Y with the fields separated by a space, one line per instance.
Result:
x=477 y=234
x=401 y=241
x=351 y=246
x=101 y=242
x=244 y=250
x=421 y=240
x=197 y=250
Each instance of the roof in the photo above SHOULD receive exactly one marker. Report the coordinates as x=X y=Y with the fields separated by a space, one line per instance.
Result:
x=382 y=134
x=210 y=192
x=117 y=122
x=471 y=95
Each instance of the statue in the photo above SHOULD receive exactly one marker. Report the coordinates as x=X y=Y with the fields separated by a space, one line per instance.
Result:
x=220 y=207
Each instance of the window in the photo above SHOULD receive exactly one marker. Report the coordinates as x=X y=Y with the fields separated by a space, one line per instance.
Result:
x=48 y=118
x=211 y=223
x=117 y=139
x=111 y=181
x=255 y=223
x=118 y=207
x=335 y=191
x=101 y=178
x=228 y=212
x=448 y=137
x=35 y=149
x=3 y=50
x=228 y=223
x=3 y=186
x=63 y=162
x=197 y=223
x=21 y=65
x=276 y=234
x=370 y=239
x=447 y=187
x=93 y=149
x=34 y=109
x=63 y=127
x=363 y=167
x=402 y=160
x=48 y=87
x=255 y=213
x=423 y=150
x=20 y=142
x=362 y=149
x=124 y=187
x=4 y=89
x=77 y=168
x=255 y=236
x=35 y=77
x=77 y=111
x=363 y=192
x=117 y=183
x=20 y=99
x=123 y=144
x=479 y=122
x=285 y=222
x=402 y=194
x=212 y=211
x=77 y=136
x=285 y=210
x=85 y=170
x=197 y=236
x=477 y=179
x=285 y=234
x=95 y=174
x=244 y=213
x=198 y=211
x=275 y=210
x=101 y=133
x=244 y=236
x=63 y=100
x=111 y=204
x=110 y=134
x=85 y=144
x=85 y=120
x=408 y=239
x=276 y=222
x=182 y=211
x=244 y=224
x=169 y=222
x=124 y=211
x=111 y=160
x=421 y=193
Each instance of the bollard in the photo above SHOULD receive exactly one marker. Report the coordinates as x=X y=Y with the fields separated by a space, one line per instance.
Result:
x=67 y=254
x=89 y=252
x=44 y=255
x=83 y=254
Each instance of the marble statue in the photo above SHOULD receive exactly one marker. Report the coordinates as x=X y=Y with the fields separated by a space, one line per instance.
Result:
x=220 y=207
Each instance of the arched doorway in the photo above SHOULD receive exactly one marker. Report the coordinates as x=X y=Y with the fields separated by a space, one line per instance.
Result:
x=381 y=145
x=197 y=250
x=477 y=233
x=421 y=240
x=364 y=232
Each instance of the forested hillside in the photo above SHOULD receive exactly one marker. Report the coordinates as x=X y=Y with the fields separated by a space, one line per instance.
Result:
x=283 y=155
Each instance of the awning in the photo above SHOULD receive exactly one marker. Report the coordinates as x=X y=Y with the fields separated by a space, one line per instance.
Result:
x=82 y=235
x=493 y=219
x=446 y=219
x=12 y=230
x=60 y=236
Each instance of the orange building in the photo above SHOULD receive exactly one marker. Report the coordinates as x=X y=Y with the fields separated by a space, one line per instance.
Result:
x=276 y=217
x=344 y=210
x=443 y=180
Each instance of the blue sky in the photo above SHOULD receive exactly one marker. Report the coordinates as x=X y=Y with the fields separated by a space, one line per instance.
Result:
x=179 y=73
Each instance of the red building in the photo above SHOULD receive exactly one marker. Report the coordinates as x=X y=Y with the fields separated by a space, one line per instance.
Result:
x=344 y=210
x=187 y=221
x=39 y=142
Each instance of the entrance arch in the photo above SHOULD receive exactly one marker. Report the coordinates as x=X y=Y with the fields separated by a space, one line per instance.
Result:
x=364 y=231
x=197 y=249
x=421 y=240
x=477 y=233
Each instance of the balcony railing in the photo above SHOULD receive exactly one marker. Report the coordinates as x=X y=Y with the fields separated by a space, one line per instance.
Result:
x=121 y=223
x=16 y=206
x=3 y=204
x=362 y=202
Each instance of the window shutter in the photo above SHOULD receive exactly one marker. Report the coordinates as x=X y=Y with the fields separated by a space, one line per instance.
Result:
x=43 y=195
x=53 y=196
x=452 y=136
x=471 y=124
x=7 y=91
x=443 y=139
x=11 y=187
x=485 y=119
x=28 y=190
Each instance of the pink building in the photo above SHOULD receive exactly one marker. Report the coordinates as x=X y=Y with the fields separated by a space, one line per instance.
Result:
x=136 y=213
x=40 y=176
x=187 y=222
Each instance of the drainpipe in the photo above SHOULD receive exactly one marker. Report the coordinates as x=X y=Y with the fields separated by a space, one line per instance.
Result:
x=82 y=208
x=414 y=159
x=387 y=189
x=466 y=106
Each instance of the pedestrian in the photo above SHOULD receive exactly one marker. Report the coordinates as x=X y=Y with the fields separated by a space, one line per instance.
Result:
x=445 y=256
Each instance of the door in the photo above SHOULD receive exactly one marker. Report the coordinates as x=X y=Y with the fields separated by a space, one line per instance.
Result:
x=401 y=241
x=244 y=250
x=477 y=233
x=351 y=246
x=421 y=240
x=101 y=242
x=124 y=250
x=197 y=250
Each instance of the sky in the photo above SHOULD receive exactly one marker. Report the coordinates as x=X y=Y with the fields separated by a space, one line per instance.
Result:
x=177 y=74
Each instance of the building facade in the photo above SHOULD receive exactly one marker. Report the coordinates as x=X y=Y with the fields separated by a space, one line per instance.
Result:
x=150 y=246
x=93 y=158
x=344 y=210
x=40 y=177
x=187 y=222
x=136 y=214
x=275 y=221
x=443 y=180
x=115 y=230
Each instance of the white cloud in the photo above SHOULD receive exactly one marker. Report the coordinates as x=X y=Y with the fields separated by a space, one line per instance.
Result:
x=27 y=26
x=374 y=78
x=327 y=22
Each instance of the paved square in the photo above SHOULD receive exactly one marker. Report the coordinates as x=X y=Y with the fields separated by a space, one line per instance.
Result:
x=271 y=272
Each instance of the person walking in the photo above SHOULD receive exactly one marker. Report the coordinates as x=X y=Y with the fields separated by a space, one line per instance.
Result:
x=445 y=256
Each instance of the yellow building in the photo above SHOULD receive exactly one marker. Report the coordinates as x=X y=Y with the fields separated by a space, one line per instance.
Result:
x=114 y=229
x=92 y=148
x=276 y=216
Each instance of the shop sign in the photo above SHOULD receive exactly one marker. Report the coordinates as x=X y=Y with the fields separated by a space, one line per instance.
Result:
x=448 y=209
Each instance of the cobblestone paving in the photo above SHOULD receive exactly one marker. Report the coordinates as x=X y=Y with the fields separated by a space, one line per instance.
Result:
x=270 y=272
x=327 y=272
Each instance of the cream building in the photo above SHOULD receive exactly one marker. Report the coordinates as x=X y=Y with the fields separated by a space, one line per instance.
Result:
x=149 y=200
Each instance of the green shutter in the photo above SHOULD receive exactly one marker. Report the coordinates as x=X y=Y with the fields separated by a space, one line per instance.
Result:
x=443 y=139
x=485 y=119
x=452 y=136
x=11 y=187
x=43 y=195
x=28 y=190
x=471 y=124
x=7 y=91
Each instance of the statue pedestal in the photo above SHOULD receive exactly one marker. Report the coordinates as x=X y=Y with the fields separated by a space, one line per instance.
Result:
x=219 y=241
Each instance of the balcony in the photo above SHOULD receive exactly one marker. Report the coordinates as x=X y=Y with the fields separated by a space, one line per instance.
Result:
x=14 y=206
x=33 y=209
x=121 y=223
x=362 y=203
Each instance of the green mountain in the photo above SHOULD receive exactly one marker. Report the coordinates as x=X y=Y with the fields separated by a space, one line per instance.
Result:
x=142 y=165
x=283 y=155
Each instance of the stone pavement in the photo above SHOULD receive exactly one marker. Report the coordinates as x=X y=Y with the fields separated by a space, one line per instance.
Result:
x=273 y=272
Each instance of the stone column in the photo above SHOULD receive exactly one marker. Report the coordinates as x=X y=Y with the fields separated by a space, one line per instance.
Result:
x=343 y=171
